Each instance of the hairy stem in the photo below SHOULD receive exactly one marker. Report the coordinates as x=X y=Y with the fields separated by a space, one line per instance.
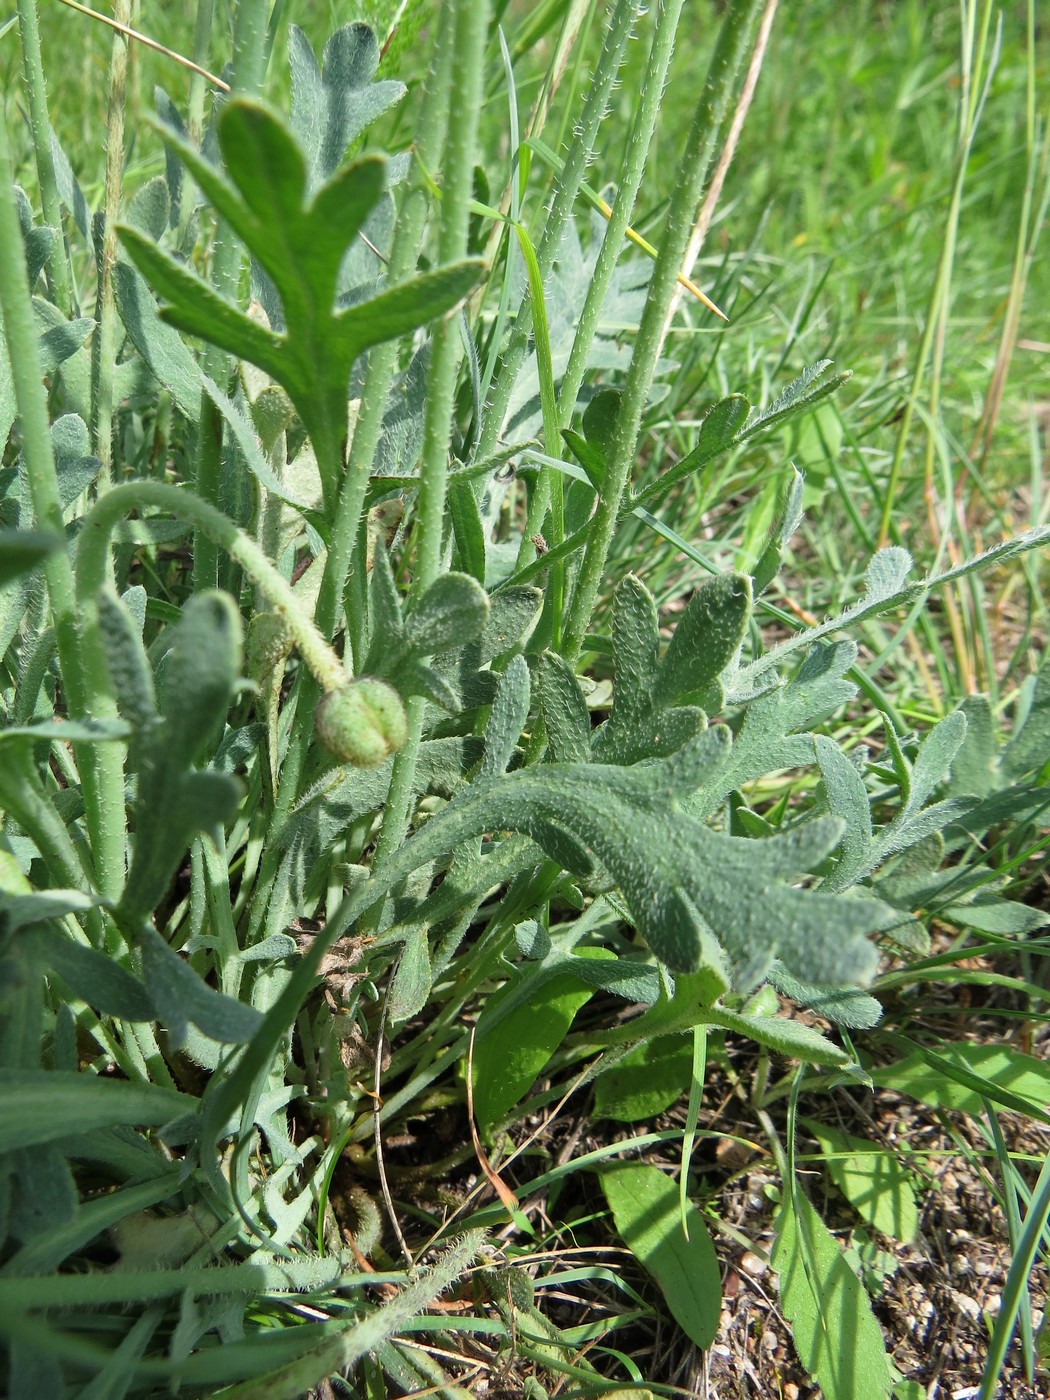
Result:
x=696 y=161
x=249 y=59
x=57 y=265
x=93 y=546
x=104 y=345
x=467 y=95
x=580 y=153
x=100 y=765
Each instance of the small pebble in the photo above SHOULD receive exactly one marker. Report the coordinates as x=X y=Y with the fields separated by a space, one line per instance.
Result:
x=969 y=1307
x=752 y=1265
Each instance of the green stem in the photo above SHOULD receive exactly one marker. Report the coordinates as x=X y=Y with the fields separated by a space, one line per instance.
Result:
x=567 y=187
x=383 y=359
x=104 y=347
x=249 y=64
x=937 y=309
x=198 y=83
x=627 y=186
x=57 y=266
x=468 y=64
x=93 y=546
x=100 y=765
x=382 y=367
x=700 y=148
x=21 y=799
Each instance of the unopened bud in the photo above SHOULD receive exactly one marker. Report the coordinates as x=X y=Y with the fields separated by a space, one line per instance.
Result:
x=362 y=723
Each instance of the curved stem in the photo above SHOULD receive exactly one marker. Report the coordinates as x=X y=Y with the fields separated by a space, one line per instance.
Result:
x=93 y=545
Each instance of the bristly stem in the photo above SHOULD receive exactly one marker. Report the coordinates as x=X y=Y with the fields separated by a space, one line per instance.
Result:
x=567 y=187
x=249 y=63
x=668 y=15
x=100 y=765
x=737 y=25
x=467 y=96
x=104 y=345
x=93 y=545
x=379 y=377
x=57 y=265
x=198 y=83
x=383 y=358
x=330 y=611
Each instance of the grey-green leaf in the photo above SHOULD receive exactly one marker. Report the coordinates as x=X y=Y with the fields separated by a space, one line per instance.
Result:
x=452 y=612
x=181 y=996
x=129 y=667
x=22 y=550
x=97 y=979
x=636 y=644
x=45 y=1106
x=847 y=798
x=564 y=710
x=705 y=639
x=506 y=720
x=199 y=674
x=159 y=344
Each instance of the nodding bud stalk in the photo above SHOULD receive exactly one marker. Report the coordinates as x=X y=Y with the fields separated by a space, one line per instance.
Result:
x=363 y=722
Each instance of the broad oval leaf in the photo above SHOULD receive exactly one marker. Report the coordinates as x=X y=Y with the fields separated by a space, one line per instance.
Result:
x=646 y=1208
x=836 y=1335
x=646 y=1082
x=872 y=1178
x=511 y=1049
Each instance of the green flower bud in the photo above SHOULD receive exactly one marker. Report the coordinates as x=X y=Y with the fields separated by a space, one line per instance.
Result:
x=362 y=723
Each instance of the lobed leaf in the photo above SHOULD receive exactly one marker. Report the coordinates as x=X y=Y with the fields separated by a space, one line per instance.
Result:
x=706 y=638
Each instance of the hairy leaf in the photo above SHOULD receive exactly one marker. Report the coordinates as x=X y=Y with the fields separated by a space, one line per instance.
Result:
x=452 y=612
x=48 y=1105
x=706 y=638
x=564 y=710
